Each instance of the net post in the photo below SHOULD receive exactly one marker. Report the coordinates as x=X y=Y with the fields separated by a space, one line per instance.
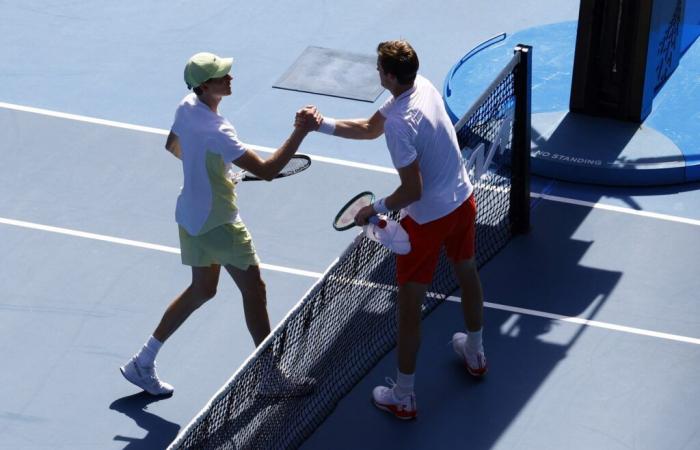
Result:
x=520 y=155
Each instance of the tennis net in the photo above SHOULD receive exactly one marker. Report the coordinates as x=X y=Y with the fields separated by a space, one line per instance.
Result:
x=346 y=322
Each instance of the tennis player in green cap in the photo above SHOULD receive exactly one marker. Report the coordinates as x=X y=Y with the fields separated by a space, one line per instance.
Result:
x=212 y=233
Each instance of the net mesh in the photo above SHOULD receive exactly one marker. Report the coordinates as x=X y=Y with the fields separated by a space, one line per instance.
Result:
x=346 y=322
x=667 y=45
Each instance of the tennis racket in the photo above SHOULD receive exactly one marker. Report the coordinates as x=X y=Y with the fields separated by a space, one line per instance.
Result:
x=345 y=219
x=297 y=164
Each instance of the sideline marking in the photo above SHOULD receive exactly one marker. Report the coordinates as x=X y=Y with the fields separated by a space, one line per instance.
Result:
x=162 y=132
x=139 y=244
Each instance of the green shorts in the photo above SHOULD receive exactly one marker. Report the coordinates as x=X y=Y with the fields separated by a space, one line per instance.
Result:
x=228 y=244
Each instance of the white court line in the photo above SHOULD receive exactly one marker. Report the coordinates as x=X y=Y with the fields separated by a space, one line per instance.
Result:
x=341 y=162
x=139 y=244
x=619 y=209
x=316 y=275
x=587 y=322
x=160 y=131
x=79 y=118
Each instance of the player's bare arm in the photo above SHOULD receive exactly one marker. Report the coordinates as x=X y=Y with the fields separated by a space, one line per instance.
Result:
x=409 y=191
x=370 y=128
x=360 y=129
x=268 y=168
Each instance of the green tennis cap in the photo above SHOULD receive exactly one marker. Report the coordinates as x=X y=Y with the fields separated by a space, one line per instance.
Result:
x=203 y=66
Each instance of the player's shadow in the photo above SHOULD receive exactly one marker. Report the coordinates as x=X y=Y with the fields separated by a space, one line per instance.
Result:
x=159 y=432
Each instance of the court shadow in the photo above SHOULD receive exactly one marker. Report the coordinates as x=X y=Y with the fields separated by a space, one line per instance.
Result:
x=544 y=270
x=159 y=432
x=628 y=195
x=579 y=134
x=599 y=150
x=549 y=270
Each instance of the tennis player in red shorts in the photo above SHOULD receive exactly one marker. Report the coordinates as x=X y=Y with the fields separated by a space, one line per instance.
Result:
x=437 y=205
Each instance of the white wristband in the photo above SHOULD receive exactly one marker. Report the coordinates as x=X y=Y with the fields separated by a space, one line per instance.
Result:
x=380 y=206
x=327 y=126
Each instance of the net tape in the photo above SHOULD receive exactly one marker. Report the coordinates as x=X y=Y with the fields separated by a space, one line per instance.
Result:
x=346 y=322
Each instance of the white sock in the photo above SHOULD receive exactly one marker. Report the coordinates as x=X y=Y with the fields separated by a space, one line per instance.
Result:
x=474 y=341
x=404 y=384
x=147 y=355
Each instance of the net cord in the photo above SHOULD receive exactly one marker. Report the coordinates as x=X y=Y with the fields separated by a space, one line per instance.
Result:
x=507 y=70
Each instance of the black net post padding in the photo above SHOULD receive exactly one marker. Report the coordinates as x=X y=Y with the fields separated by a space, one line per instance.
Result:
x=520 y=162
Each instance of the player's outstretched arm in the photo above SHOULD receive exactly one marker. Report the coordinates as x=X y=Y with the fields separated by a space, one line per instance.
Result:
x=268 y=168
x=370 y=128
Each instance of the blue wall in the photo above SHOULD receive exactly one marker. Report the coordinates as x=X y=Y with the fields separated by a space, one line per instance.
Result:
x=691 y=24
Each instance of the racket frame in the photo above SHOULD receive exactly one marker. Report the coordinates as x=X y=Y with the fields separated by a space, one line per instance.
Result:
x=347 y=206
x=244 y=175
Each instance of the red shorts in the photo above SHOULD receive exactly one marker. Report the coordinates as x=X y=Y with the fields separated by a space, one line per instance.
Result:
x=456 y=231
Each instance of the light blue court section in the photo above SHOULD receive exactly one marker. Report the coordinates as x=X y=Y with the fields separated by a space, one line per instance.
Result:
x=75 y=303
x=75 y=307
x=124 y=61
x=102 y=180
x=73 y=310
x=574 y=147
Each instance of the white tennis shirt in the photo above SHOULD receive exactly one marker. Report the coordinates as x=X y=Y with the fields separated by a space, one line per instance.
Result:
x=209 y=144
x=418 y=127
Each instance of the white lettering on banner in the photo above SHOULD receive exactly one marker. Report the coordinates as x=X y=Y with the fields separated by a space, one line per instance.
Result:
x=569 y=159
x=479 y=160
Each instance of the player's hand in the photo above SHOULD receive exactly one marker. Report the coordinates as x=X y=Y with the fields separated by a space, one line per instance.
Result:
x=308 y=118
x=363 y=215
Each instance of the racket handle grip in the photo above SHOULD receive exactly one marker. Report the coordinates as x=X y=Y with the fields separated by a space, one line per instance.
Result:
x=381 y=223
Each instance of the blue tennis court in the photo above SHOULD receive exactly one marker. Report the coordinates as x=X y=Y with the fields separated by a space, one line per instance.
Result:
x=592 y=325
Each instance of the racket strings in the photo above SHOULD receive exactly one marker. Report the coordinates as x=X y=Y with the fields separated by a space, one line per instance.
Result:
x=295 y=165
x=346 y=216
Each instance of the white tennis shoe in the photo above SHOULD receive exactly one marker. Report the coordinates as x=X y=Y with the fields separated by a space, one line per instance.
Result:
x=386 y=399
x=145 y=377
x=475 y=361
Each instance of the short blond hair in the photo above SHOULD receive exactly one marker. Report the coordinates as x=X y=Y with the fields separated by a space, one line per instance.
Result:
x=400 y=59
